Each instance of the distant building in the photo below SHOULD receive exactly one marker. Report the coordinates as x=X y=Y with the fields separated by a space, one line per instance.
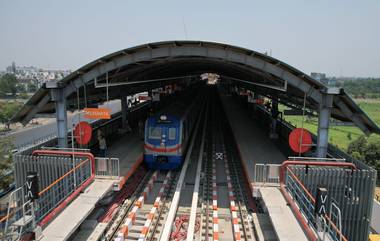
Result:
x=30 y=75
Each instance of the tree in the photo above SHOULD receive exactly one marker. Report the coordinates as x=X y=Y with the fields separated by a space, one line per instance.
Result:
x=20 y=88
x=7 y=110
x=8 y=84
x=366 y=150
x=32 y=87
x=5 y=162
x=358 y=145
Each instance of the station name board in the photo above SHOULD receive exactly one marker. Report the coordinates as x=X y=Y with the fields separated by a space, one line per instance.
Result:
x=97 y=113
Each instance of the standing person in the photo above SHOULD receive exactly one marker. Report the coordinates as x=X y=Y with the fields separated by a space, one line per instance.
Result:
x=102 y=145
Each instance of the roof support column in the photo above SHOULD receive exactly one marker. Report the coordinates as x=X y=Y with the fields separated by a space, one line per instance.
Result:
x=274 y=114
x=124 y=111
x=325 y=107
x=61 y=116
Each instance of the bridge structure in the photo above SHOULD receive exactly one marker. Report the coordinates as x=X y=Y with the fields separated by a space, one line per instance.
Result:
x=273 y=182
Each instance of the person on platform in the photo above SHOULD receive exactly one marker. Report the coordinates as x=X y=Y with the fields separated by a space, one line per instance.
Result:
x=102 y=145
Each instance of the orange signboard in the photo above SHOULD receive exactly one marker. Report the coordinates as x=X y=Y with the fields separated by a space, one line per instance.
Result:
x=144 y=97
x=97 y=113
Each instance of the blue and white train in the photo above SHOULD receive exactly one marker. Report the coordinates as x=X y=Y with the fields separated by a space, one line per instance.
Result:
x=167 y=133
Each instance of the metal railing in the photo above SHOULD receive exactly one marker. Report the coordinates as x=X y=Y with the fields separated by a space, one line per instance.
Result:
x=107 y=167
x=36 y=144
x=302 y=158
x=50 y=197
x=20 y=215
x=65 y=149
x=62 y=187
x=325 y=225
x=267 y=174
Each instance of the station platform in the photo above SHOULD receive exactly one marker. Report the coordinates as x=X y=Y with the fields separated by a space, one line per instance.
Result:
x=63 y=226
x=256 y=147
x=129 y=151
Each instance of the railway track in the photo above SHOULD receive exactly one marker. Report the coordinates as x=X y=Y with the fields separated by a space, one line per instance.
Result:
x=205 y=200
x=143 y=216
x=224 y=212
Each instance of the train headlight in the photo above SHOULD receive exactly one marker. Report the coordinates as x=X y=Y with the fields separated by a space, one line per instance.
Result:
x=163 y=117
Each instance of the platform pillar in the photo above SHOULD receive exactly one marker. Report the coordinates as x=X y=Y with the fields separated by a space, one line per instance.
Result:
x=61 y=116
x=323 y=124
x=274 y=114
x=255 y=97
x=124 y=112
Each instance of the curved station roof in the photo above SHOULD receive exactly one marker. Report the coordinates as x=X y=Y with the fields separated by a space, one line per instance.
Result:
x=153 y=65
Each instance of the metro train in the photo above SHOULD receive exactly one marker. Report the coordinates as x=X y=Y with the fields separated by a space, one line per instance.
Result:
x=167 y=133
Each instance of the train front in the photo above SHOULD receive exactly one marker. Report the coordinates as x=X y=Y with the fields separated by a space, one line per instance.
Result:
x=162 y=149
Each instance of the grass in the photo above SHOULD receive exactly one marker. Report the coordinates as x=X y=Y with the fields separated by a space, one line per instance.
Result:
x=340 y=136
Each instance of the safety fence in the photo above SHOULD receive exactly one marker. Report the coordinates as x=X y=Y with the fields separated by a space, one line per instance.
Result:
x=107 y=167
x=62 y=187
x=349 y=199
x=28 y=147
x=267 y=174
x=19 y=217
x=62 y=175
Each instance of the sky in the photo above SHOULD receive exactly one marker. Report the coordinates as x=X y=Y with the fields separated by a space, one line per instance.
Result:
x=337 y=37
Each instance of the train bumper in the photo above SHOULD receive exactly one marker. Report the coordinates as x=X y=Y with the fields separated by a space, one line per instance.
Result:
x=161 y=162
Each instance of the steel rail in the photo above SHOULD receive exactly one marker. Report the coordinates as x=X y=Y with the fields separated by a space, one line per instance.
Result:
x=194 y=202
x=241 y=207
x=126 y=207
x=165 y=201
x=166 y=233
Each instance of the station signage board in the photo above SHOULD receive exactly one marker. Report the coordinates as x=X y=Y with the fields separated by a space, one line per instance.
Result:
x=97 y=113
x=32 y=186
x=320 y=207
x=144 y=97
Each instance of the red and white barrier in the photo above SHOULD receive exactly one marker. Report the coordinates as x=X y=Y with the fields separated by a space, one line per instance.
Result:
x=215 y=221
x=130 y=220
x=233 y=207
x=154 y=209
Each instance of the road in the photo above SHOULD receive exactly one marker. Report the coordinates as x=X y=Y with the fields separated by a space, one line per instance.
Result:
x=28 y=135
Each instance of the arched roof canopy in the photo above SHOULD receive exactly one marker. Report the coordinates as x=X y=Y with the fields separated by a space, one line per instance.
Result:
x=152 y=65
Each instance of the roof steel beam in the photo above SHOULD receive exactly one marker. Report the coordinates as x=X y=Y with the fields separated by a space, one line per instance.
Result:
x=244 y=59
x=352 y=116
x=35 y=109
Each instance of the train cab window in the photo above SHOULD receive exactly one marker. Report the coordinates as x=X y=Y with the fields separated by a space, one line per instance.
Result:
x=172 y=133
x=155 y=132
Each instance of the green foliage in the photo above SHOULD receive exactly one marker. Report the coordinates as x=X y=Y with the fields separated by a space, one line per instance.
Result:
x=5 y=162
x=367 y=150
x=7 y=110
x=349 y=136
x=340 y=134
x=20 y=88
x=358 y=145
x=8 y=84
x=361 y=88
x=24 y=96
x=32 y=87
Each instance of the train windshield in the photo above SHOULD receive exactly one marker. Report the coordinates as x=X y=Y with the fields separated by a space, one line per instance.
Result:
x=155 y=132
x=172 y=133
